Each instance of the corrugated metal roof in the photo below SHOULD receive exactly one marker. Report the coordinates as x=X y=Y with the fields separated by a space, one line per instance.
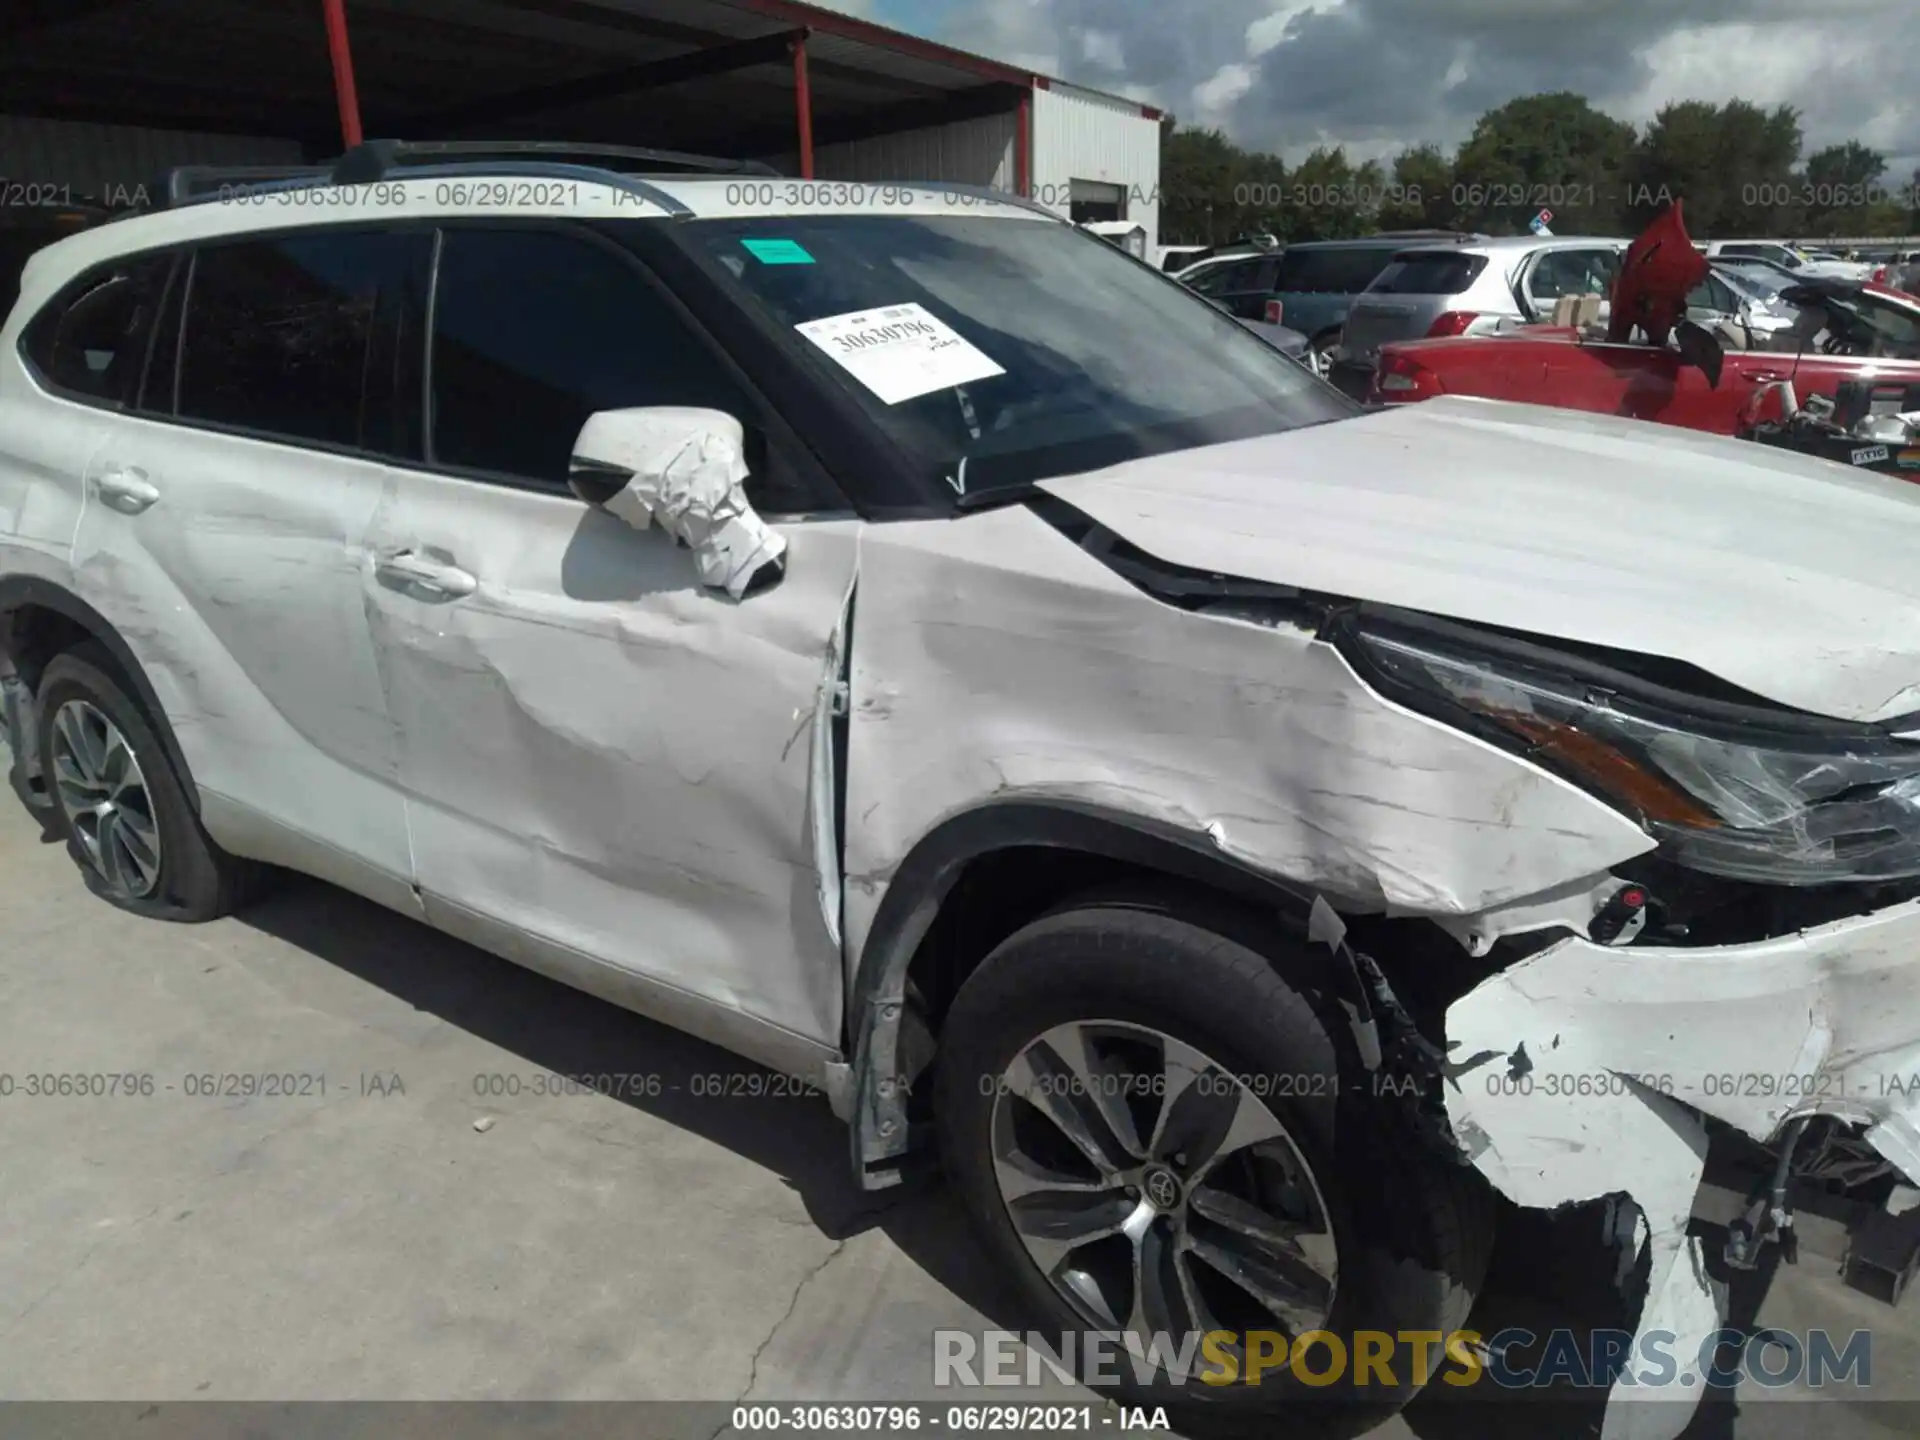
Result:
x=252 y=68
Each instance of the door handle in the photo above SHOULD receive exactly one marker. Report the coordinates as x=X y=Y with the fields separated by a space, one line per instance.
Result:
x=126 y=488
x=1764 y=375
x=415 y=571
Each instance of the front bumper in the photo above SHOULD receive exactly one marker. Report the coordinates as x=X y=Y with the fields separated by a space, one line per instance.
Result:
x=1591 y=1046
x=1584 y=1071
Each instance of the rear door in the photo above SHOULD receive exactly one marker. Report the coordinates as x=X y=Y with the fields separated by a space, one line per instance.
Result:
x=1317 y=286
x=1638 y=382
x=1549 y=275
x=608 y=766
x=225 y=539
x=77 y=366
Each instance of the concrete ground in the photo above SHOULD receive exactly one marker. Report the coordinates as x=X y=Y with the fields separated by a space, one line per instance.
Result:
x=404 y=1236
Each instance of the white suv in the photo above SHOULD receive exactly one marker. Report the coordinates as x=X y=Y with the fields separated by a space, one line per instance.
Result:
x=888 y=632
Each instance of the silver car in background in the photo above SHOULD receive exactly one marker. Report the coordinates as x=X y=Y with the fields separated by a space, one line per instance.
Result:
x=1478 y=288
x=1495 y=285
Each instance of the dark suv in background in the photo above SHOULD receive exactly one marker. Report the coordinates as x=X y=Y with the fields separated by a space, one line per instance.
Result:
x=1313 y=282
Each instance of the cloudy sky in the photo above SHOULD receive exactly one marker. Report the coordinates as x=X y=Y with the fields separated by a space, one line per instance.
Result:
x=1375 y=75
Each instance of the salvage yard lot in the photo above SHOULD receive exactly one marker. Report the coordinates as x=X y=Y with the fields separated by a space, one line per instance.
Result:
x=372 y=1243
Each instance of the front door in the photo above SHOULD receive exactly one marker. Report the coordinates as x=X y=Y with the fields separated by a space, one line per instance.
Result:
x=608 y=766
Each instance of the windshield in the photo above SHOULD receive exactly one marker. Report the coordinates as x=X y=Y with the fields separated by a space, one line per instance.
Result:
x=1850 y=321
x=998 y=351
x=1755 y=285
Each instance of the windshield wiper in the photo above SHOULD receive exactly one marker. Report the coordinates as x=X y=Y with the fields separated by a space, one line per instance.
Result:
x=997 y=495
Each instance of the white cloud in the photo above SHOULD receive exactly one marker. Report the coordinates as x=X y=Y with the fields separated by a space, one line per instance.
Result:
x=1379 y=75
x=1218 y=92
x=1102 y=48
x=1270 y=29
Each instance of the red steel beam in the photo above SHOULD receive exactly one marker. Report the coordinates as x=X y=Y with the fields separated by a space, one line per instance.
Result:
x=803 y=107
x=341 y=51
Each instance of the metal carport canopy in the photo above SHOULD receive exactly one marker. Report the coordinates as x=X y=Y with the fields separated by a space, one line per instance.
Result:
x=745 y=78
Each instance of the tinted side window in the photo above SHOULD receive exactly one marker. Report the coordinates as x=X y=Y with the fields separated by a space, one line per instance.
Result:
x=535 y=330
x=1429 y=274
x=1573 y=272
x=1208 y=281
x=1714 y=295
x=91 y=339
x=1344 y=270
x=1225 y=279
x=279 y=335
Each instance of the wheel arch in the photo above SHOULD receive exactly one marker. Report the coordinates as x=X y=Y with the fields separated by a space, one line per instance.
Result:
x=929 y=933
x=40 y=619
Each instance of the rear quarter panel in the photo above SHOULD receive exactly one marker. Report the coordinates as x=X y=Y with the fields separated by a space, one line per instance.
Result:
x=45 y=444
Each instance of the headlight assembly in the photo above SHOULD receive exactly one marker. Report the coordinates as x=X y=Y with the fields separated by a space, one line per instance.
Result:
x=1735 y=791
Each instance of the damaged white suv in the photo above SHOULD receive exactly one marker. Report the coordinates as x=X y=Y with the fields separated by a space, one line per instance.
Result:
x=893 y=634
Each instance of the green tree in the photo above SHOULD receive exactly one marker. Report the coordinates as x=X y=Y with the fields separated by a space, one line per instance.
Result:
x=1842 y=188
x=1733 y=164
x=1199 y=173
x=1330 y=198
x=1552 y=152
x=1420 y=194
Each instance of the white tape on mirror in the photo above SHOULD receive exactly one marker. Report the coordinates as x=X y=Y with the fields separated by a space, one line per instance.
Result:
x=899 y=352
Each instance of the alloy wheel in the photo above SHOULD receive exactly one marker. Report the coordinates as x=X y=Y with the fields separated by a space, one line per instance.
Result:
x=104 y=796
x=1155 y=1191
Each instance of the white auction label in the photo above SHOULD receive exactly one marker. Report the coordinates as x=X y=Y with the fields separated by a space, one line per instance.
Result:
x=899 y=351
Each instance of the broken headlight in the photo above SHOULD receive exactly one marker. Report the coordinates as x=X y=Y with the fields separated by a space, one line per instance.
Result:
x=1736 y=790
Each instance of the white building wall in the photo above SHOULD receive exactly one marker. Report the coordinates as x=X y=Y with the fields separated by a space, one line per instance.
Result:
x=967 y=152
x=108 y=163
x=1082 y=135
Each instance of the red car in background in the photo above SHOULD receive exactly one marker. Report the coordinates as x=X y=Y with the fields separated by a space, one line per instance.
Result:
x=1844 y=330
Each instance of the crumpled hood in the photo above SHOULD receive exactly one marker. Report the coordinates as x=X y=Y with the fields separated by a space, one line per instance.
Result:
x=1791 y=577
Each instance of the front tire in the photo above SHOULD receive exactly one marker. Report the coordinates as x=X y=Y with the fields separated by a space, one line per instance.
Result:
x=1156 y=1131
x=118 y=802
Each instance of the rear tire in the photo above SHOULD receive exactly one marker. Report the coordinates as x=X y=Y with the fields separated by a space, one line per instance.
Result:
x=1409 y=1232
x=118 y=802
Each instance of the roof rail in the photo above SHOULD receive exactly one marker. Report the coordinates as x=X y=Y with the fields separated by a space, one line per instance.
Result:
x=187 y=184
x=1461 y=235
x=375 y=159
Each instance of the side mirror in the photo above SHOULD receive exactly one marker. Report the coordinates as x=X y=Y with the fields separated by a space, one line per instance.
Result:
x=682 y=469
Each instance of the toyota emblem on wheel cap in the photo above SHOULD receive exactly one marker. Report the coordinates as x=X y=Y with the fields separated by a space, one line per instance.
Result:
x=1162 y=1189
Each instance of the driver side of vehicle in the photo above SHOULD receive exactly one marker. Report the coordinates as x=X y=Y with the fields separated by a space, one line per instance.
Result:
x=605 y=762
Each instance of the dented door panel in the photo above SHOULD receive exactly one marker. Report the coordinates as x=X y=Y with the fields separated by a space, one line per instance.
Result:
x=608 y=756
x=238 y=589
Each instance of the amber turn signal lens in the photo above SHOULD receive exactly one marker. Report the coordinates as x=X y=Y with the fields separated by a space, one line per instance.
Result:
x=1607 y=768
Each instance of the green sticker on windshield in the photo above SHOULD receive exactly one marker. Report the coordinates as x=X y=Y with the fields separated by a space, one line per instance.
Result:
x=778 y=252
